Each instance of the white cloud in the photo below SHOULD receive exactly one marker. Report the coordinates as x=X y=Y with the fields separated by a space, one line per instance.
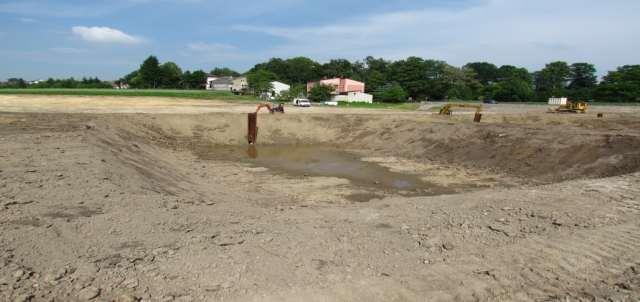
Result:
x=104 y=35
x=518 y=32
x=68 y=50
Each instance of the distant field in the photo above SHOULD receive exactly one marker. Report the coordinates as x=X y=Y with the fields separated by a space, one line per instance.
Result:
x=190 y=94
x=228 y=96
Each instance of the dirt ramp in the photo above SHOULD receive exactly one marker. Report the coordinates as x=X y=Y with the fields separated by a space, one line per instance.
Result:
x=543 y=155
x=539 y=153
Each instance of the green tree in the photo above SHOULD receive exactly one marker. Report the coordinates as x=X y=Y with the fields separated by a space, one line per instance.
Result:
x=391 y=93
x=513 y=85
x=374 y=80
x=14 y=83
x=411 y=75
x=552 y=80
x=170 y=75
x=512 y=90
x=506 y=72
x=438 y=83
x=583 y=81
x=198 y=79
x=298 y=70
x=224 y=72
x=374 y=73
x=260 y=81
x=421 y=78
x=132 y=79
x=185 y=80
x=485 y=73
x=301 y=70
x=150 y=74
x=320 y=93
x=338 y=68
x=622 y=85
x=193 y=80
x=461 y=83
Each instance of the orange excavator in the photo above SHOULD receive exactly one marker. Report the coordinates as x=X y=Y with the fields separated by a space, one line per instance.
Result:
x=272 y=110
x=252 y=122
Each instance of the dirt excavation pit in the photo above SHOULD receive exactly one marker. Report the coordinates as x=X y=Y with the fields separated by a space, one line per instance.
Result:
x=328 y=206
x=318 y=161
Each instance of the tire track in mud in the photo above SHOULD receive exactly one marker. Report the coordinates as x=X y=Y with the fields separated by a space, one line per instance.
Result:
x=562 y=266
x=541 y=268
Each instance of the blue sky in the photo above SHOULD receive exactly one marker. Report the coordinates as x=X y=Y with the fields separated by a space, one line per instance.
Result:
x=55 y=38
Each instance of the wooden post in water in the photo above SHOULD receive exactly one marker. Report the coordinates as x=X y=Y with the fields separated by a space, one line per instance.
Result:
x=477 y=117
x=252 y=128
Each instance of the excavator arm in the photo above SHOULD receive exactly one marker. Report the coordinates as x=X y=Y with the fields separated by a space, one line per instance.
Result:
x=279 y=108
x=446 y=109
x=264 y=105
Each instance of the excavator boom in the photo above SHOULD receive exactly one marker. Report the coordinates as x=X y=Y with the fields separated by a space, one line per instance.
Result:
x=279 y=108
x=446 y=109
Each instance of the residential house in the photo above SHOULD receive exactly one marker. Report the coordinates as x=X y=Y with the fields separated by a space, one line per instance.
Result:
x=120 y=85
x=345 y=90
x=240 y=85
x=277 y=88
x=354 y=97
x=219 y=83
x=340 y=85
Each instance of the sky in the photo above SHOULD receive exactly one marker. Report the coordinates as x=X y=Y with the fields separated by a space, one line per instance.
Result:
x=108 y=39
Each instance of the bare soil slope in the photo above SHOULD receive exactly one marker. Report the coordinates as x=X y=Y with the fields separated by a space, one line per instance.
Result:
x=140 y=206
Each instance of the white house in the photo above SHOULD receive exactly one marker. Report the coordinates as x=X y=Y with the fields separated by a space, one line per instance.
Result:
x=278 y=88
x=240 y=85
x=354 y=97
x=219 y=83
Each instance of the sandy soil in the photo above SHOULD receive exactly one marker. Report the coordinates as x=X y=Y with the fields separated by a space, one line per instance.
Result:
x=126 y=199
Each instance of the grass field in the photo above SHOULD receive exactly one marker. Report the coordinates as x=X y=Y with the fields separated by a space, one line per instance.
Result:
x=189 y=94
x=398 y=106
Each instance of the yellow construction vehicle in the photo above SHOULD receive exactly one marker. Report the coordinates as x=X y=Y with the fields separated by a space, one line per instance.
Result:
x=566 y=106
x=446 y=110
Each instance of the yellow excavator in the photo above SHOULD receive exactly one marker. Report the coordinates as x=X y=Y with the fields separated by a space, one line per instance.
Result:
x=446 y=109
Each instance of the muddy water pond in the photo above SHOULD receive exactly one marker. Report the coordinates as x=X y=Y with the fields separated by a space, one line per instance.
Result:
x=301 y=161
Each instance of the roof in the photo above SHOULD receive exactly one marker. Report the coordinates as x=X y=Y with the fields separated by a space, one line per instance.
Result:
x=280 y=83
x=336 y=81
x=223 y=81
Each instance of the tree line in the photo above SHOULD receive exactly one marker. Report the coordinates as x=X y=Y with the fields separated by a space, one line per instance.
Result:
x=410 y=79
x=419 y=79
x=84 y=83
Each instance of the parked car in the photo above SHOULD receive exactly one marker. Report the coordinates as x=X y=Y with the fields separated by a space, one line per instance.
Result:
x=331 y=103
x=490 y=102
x=301 y=103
